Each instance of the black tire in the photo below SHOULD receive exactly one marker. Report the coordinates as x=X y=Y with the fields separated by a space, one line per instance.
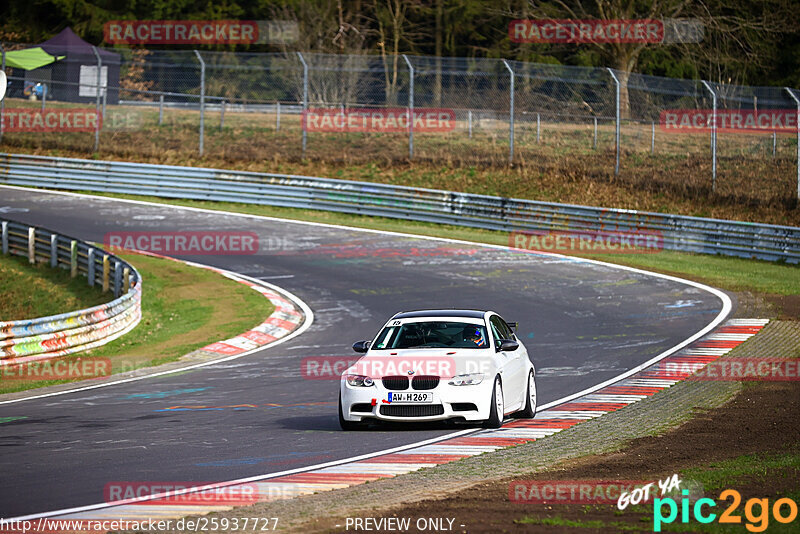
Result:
x=496 y=416
x=530 y=404
x=344 y=423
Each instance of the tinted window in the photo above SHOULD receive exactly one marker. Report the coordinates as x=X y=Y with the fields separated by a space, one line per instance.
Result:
x=502 y=328
x=496 y=334
x=432 y=334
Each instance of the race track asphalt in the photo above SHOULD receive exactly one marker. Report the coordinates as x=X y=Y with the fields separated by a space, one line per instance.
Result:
x=583 y=323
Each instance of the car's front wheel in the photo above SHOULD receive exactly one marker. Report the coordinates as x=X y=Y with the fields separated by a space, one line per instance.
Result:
x=344 y=423
x=530 y=399
x=497 y=407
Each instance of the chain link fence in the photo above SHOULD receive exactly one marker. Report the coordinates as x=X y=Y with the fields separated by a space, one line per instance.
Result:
x=652 y=131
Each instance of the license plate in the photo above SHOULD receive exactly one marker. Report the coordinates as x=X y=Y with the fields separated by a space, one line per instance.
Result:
x=410 y=398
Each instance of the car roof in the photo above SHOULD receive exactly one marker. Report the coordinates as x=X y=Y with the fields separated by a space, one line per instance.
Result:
x=473 y=314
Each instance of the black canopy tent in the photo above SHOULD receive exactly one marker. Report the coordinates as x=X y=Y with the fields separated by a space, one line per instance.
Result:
x=74 y=78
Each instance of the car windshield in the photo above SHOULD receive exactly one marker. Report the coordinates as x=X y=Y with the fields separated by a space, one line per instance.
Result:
x=432 y=334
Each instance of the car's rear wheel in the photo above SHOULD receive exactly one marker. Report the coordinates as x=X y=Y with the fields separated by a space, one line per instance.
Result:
x=497 y=408
x=344 y=423
x=530 y=401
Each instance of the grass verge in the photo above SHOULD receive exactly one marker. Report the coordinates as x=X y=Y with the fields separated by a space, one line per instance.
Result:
x=30 y=291
x=183 y=309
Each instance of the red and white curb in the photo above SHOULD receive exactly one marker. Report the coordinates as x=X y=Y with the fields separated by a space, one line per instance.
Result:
x=638 y=386
x=283 y=321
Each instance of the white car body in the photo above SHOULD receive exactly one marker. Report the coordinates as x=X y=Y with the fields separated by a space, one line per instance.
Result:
x=422 y=398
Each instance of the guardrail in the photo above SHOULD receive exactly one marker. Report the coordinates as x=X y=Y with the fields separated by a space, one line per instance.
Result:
x=59 y=335
x=681 y=233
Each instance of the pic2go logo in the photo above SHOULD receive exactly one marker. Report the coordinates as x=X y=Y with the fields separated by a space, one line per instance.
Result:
x=757 y=521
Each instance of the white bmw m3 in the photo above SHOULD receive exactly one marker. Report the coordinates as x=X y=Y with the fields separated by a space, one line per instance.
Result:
x=433 y=365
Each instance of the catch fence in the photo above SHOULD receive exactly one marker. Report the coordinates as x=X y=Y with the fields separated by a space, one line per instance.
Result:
x=255 y=106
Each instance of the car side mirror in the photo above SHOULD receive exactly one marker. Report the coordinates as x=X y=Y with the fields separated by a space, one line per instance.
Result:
x=361 y=346
x=508 y=345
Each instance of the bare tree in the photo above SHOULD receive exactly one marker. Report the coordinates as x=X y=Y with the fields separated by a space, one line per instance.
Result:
x=735 y=32
x=391 y=17
x=623 y=57
x=326 y=27
x=739 y=37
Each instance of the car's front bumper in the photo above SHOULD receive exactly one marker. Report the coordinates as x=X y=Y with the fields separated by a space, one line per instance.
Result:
x=453 y=400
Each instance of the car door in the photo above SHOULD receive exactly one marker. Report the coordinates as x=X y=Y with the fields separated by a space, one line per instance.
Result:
x=513 y=365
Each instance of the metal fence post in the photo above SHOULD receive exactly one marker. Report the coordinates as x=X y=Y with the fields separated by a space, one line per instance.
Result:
x=90 y=267
x=4 y=227
x=713 y=136
x=106 y=272
x=160 y=109
x=278 y=117
x=73 y=258
x=305 y=100
x=510 y=115
x=202 y=98
x=44 y=97
x=410 y=108
x=222 y=116
x=469 y=122
x=653 y=138
x=97 y=101
x=117 y=277
x=538 y=127
x=797 y=123
x=31 y=244
x=617 y=118
x=594 y=138
x=53 y=250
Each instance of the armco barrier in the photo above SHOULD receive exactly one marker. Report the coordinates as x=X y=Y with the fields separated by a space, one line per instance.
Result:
x=689 y=234
x=63 y=334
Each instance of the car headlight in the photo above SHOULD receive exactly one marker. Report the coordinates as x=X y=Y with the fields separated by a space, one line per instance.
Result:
x=359 y=381
x=471 y=379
